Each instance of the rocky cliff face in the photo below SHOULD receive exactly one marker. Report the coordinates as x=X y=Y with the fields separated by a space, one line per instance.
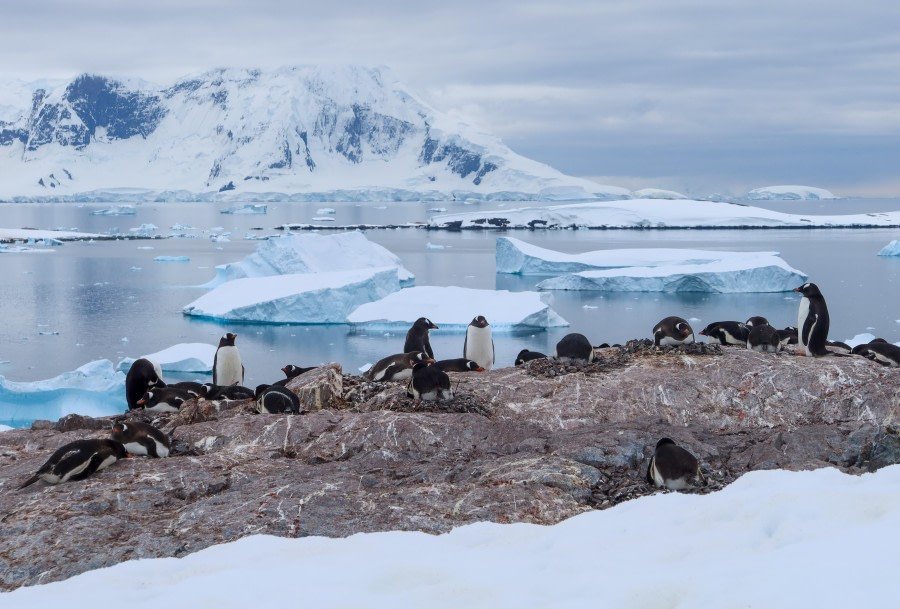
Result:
x=537 y=445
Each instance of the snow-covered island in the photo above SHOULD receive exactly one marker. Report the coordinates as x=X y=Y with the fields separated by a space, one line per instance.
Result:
x=790 y=193
x=654 y=214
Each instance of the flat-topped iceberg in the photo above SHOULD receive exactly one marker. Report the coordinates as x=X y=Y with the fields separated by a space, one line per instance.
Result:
x=454 y=308
x=656 y=193
x=752 y=273
x=298 y=298
x=518 y=257
x=311 y=253
x=654 y=213
x=891 y=249
x=184 y=357
x=790 y=193
x=95 y=389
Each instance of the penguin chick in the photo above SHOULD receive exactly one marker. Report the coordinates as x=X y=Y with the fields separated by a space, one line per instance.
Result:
x=77 y=460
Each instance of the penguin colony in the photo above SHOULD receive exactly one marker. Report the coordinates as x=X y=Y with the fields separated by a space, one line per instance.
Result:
x=671 y=466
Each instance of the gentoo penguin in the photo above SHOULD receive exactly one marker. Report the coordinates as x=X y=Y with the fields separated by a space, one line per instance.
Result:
x=192 y=387
x=673 y=331
x=141 y=439
x=164 y=399
x=292 y=371
x=227 y=366
x=77 y=460
x=460 y=364
x=788 y=336
x=211 y=391
x=727 y=332
x=575 y=347
x=274 y=399
x=812 y=321
x=861 y=348
x=526 y=356
x=756 y=320
x=763 y=337
x=142 y=376
x=417 y=337
x=479 y=344
x=673 y=467
x=429 y=382
x=396 y=367
x=884 y=353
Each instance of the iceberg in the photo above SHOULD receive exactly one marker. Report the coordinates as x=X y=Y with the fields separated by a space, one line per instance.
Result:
x=184 y=357
x=790 y=193
x=891 y=249
x=250 y=208
x=654 y=213
x=518 y=257
x=453 y=308
x=656 y=193
x=727 y=276
x=311 y=253
x=298 y=298
x=172 y=259
x=95 y=389
x=115 y=210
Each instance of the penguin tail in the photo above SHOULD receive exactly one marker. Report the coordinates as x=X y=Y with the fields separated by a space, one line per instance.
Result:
x=30 y=481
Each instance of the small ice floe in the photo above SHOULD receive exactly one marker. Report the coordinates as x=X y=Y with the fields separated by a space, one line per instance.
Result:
x=48 y=332
x=891 y=249
x=115 y=210
x=589 y=307
x=434 y=246
x=124 y=339
x=181 y=227
x=144 y=229
x=222 y=238
x=250 y=208
x=322 y=219
x=136 y=268
x=47 y=241
x=172 y=259
x=145 y=247
x=438 y=209
x=325 y=210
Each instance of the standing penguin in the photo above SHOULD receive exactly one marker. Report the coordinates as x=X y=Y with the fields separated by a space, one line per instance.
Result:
x=673 y=467
x=479 y=344
x=227 y=366
x=417 y=337
x=142 y=376
x=77 y=460
x=812 y=321
x=673 y=331
x=141 y=439
x=575 y=347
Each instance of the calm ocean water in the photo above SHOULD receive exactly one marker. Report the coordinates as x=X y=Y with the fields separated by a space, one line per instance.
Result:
x=111 y=300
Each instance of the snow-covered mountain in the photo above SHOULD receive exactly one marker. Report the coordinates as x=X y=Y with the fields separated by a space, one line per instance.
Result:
x=291 y=133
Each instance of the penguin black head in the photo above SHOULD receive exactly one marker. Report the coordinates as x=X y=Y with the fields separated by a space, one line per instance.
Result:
x=683 y=328
x=425 y=324
x=756 y=320
x=147 y=397
x=480 y=322
x=227 y=340
x=810 y=290
x=665 y=441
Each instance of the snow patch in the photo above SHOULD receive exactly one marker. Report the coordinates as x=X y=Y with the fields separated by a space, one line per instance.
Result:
x=789 y=193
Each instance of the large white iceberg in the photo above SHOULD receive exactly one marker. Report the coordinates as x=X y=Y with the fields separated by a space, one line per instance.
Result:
x=184 y=357
x=454 y=308
x=299 y=298
x=790 y=193
x=518 y=257
x=654 y=213
x=95 y=389
x=891 y=249
x=311 y=253
x=726 y=276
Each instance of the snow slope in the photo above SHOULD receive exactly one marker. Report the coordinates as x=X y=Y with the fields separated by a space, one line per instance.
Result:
x=790 y=193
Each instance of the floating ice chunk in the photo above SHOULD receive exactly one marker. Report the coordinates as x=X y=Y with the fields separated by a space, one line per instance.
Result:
x=891 y=249
x=144 y=229
x=115 y=210
x=454 y=307
x=184 y=357
x=434 y=246
x=172 y=259
x=250 y=208
x=326 y=210
x=734 y=275
x=790 y=193
x=860 y=339
x=323 y=219
x=311 y=253
x=95 y=389
x=300 y=298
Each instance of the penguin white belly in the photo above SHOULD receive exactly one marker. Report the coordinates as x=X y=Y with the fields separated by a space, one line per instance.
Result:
x=229 y=370
x=403 y=375
x=675 y=484
x=69 y=474
x=479 y=346
x=802 y=314
x=671 y=341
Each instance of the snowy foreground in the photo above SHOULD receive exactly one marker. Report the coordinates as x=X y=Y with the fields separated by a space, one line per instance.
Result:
x=772 y=539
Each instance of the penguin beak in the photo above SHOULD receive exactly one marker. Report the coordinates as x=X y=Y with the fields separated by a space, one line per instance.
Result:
x=429 y=360
x=797 y=290
x=479 y=369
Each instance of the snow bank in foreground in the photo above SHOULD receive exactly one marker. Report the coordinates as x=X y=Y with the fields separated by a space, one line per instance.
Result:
x=95 y=389
x=303 y=298
x=311 y=253
x=765 y=541
x=729 y=276
x=518 y=257
x=891 y=249
x=454 y=306
x=646 y=213
x=790 y=193
x=184 y=357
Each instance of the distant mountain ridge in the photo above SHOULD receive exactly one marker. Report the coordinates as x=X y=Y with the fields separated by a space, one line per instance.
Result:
x=289 y=133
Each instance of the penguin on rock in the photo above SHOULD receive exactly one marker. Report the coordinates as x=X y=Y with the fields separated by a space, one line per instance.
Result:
x=575 y=347
x=77 y=460
x=812 y=321
x=479 y=343
x=396 y=367
x=673 y=467
x=417 y=337
x=143 y=375
x=526 y=356
x=727 y=332
x=429 y=383
x=459 y=364
x=141 y=439
x=673 y=331
x=227 y=366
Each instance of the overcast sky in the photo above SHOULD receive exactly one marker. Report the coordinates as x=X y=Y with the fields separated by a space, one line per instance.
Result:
x=699 y=96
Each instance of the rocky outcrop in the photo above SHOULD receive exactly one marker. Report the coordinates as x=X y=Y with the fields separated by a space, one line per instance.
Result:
x=538 y=445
